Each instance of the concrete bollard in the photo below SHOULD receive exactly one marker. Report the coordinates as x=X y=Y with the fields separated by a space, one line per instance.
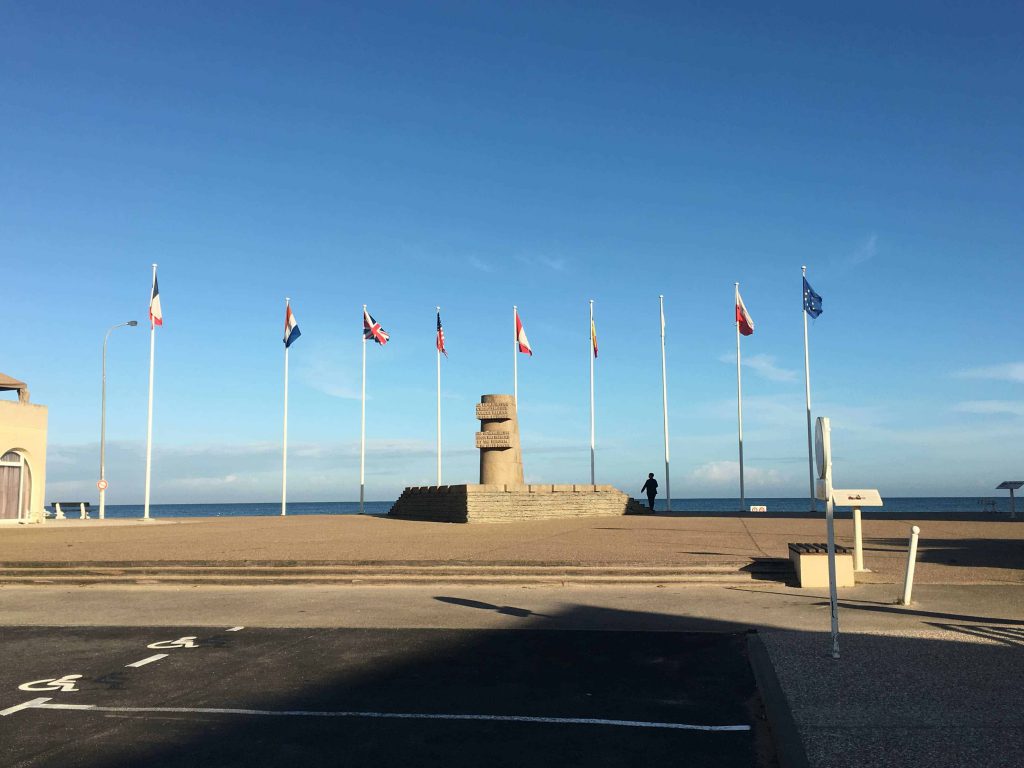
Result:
x=908 y=582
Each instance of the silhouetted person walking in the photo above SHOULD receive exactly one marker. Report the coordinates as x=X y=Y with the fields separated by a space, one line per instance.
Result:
x=651 y=489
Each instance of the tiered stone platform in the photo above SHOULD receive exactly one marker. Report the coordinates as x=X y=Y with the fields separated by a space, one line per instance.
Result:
x=506 y=503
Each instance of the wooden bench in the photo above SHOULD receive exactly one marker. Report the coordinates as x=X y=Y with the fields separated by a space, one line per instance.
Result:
x=811 y=564
x=61 y=507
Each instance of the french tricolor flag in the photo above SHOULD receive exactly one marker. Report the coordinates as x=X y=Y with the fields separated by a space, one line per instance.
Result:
x=156 y=312
x=291 y=328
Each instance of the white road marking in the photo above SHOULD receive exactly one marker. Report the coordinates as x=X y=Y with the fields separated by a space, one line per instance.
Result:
x=66 y=683
x=31 y=704
x=181 y=642
x=234 y=629
x=396 y=716
x=148 y=660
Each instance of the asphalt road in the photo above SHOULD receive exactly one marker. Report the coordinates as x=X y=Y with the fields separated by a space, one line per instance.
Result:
x=319 y=697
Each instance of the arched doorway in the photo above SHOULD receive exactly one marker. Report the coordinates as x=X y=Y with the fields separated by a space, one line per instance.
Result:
x=15 y=486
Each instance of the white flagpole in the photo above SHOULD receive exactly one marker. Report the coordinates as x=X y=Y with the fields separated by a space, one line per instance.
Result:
x=664 y=402
x=362 y=438
x=807 y=387
x=515 y=357
x=149 y=416
x=284 y=446
x=439 y=406
x=591 y=355
x=739 y=404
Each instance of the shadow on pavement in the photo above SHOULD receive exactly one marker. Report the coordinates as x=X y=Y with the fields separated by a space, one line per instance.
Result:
x=846 y=603
x=505 y=610
x=947 y=697
x=971 y=553
x=692 y=672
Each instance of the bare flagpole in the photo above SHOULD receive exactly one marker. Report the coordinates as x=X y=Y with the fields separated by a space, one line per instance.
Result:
x=739 y=403
x=284 y=442
x=515 y=357
x=591 y=355
x=664 y=402
x=149 y=416
x=362 y=438
x=438 y=402
x=807 y=387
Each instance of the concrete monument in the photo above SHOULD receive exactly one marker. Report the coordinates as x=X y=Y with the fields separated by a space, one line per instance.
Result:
x=502 y=494
x=501 y=458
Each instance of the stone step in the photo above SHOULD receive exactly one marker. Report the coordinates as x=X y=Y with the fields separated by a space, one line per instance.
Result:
x=380 y=579
x=395 y=570
x=389 y=574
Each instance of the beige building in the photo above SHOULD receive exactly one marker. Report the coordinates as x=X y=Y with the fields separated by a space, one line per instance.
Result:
x=22 y=456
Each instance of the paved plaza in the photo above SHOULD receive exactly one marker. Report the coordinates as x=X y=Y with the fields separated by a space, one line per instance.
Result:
x=510 y=673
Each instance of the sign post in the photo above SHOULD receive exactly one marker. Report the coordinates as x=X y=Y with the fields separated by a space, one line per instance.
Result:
x=1011 y=486
x=857 y=499
x=823 y=492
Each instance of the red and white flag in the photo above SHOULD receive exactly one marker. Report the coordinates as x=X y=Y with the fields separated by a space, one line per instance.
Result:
x=743 y=318
x=521 y=340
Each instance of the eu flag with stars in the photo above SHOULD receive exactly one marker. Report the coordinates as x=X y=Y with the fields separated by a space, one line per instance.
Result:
x=812 y=301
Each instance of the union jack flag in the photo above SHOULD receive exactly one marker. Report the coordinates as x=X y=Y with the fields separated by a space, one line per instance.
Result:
x=372 y=329
x=440 y=335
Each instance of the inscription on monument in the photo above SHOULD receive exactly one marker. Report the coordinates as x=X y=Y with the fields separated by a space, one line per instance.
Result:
x=494 y=440
x=488 y=411
x=501 y=462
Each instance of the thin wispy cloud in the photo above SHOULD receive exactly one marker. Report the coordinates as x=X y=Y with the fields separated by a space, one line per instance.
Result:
x=330 y=378
x=552 y=263
x=480 y=265
x=864 y=252
x=991 y=407
x=715 y=474
x=1002 y=372
x=763 y=365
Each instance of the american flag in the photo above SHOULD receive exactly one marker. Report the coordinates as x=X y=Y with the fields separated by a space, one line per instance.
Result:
x=440 y=335
x=372 y=329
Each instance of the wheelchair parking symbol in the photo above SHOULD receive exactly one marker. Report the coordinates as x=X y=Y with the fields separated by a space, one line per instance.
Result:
x=181 y=642
x=64 y=684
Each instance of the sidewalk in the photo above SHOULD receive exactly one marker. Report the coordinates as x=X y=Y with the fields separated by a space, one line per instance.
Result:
x=950 y=551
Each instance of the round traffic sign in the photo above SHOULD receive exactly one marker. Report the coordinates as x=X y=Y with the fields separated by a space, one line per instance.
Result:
x=101 y=484
x=823 y=446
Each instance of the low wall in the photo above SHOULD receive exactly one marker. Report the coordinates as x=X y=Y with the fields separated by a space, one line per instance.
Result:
x=503 y=503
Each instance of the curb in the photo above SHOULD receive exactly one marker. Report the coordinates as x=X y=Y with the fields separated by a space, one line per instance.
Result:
x=788 y=746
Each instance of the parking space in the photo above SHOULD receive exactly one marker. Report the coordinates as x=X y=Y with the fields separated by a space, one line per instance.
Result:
x=236 y=696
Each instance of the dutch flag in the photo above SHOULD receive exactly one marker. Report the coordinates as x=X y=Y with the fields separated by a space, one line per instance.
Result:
x=291 y=328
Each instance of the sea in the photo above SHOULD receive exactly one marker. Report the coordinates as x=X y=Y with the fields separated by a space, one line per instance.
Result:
x=898 y=506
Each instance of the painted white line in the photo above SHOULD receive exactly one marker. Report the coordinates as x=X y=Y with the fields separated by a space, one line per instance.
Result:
x=18 y=707
x=148 y=660
x=234 y=629
x=399 y=716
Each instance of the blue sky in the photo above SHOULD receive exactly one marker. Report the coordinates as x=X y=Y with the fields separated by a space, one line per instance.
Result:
x=477 y=155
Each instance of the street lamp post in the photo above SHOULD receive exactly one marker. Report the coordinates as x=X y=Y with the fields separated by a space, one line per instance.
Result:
x=103 y=421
